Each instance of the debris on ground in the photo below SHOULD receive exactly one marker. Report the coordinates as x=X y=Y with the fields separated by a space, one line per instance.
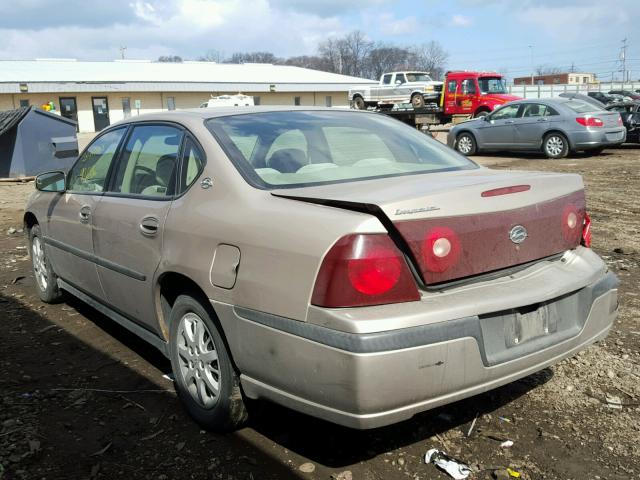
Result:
x=455 y=468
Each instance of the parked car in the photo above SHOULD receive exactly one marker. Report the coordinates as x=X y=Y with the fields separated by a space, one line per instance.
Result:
x=602 y=97
x=336 y=262
x=554 y=126
x=630 y=114
x=627 y=93
x=417 y=88
x=585 y=98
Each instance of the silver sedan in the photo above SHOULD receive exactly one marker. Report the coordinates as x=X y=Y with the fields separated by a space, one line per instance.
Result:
x=554 y=126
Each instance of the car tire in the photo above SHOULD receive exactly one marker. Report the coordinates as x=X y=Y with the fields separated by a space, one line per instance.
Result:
x=46 y=279
x=555 y=145
x=417 y=101
x=359 y=103
x=205 y=378
x=466 y=144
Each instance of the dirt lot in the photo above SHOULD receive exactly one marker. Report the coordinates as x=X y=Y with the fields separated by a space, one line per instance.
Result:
x=82 y=398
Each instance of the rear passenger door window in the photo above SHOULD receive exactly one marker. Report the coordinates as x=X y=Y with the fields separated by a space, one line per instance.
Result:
x=149 y=161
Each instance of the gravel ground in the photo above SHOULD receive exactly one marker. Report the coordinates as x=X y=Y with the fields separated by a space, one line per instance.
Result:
x=81 y=398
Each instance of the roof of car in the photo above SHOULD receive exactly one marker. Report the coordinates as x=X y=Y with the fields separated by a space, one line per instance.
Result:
x=215 y=112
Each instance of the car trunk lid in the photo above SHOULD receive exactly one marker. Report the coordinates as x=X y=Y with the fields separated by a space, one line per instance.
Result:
x=458 y=224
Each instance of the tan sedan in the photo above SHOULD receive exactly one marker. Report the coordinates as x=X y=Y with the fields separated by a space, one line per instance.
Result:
x=336 y=262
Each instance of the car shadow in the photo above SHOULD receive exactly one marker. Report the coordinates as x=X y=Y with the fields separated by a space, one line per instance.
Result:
x=336 y=446
x=77 y=404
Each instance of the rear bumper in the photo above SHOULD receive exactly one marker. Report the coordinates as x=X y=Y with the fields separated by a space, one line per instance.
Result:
x=367 y=380
x=598 y=138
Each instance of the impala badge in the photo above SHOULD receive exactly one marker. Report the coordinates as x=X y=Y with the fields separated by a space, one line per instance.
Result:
x=518 y=234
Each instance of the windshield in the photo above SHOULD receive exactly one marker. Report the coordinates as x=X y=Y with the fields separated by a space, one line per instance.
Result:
x=492 y=85
x=418 y=77
x=300 y=148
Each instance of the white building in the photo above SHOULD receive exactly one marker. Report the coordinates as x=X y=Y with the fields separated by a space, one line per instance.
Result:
x=97 y=94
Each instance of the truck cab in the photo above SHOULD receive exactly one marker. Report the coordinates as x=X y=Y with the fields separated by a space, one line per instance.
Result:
x=417 y=88
x=474 y=93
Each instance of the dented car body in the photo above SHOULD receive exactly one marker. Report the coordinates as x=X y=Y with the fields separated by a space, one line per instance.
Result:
x=349 y=266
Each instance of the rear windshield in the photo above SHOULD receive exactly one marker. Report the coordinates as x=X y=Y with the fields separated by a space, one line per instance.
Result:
x=581 y=107
x=299 y=148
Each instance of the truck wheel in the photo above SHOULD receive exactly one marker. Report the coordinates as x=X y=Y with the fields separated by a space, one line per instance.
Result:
x=417 y=101
x=359 y=103
x=46 y=279
x=466 y=144
x=205 y=379
x=481 y=114
x=555 y=145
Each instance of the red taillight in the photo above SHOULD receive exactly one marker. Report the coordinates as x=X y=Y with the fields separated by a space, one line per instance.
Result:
x=362 y=270
x=440 y=249
x=505 y=190
x=586 y=231
x=620 y=121
x=590 y=121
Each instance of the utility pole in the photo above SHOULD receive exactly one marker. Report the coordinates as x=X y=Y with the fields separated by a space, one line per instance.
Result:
x=531 y=51
x=122 y=50
x=573 y=67
x=623 y=59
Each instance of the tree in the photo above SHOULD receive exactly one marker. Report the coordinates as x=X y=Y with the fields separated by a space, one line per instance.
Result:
x=252 y=57
x=170 y=59
x=430 y=57
x=314 y=62
x=547 y=70
x=346 y=55
x=212 y=56
x=386 y=58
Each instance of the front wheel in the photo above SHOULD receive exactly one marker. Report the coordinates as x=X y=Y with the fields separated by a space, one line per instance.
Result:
x=46 y=279
x=359 y=103
x=417 y=101
x=555 y=145
x=482 y=113
x=466 y=144
x=205 y=378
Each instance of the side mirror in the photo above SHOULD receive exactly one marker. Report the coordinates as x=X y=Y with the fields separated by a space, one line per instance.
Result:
x=51 y=182
x=487 y=118
x=398 y=82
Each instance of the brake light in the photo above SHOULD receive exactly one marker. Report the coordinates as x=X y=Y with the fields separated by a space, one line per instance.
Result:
x=440 y=249
x=586 y=231
x=589 y=121
x=361 y=270
x=619 y=120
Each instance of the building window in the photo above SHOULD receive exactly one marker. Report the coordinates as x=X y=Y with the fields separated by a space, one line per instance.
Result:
x=256 y=100
x=126 y=107
x=585 y=79
x=171 y=103
x=296 y=101
x=24 y=103
x=327 y=101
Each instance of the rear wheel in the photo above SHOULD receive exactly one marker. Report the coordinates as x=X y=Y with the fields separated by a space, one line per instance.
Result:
x=480 y=114
x=205 y=379
x=555 y=145
x=359 y=103
x=46 y=279
x=417 y=101
x=466 y=144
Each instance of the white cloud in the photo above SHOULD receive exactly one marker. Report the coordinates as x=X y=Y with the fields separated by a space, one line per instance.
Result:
x=461 y=21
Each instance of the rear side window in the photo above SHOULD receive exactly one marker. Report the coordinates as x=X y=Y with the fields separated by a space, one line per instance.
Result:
x=538 y=110
x=149 y=162
x=192 y=163
x=89 y=174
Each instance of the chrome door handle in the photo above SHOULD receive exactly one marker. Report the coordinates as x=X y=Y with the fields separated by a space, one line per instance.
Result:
x=541 y=120
x=509 y=121
x=84 y=214
x=149 y=226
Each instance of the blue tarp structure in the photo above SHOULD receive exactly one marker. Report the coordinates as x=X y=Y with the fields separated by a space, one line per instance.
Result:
x=34 y=141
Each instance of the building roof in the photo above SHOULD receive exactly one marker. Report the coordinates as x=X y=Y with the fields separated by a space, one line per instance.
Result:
x=187 y=76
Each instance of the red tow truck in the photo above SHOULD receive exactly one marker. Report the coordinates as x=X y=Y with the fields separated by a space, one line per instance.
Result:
x=472 y=94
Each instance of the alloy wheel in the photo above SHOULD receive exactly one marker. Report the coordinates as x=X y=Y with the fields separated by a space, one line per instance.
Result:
x=465 y=145
x=555 y=145
x=198 y=359
x=39 y=263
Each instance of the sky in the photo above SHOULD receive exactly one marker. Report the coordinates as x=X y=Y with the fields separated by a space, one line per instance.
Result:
x=505 y=35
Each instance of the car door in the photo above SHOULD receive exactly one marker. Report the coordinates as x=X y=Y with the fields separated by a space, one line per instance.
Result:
x=402 y=90
x=531 y=125
x=466 y=96
x=130 y=218
x=497 y=129
x=385 y=91
x=70 y=216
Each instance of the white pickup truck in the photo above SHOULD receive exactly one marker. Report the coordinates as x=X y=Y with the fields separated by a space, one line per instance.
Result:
x=397 y=87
